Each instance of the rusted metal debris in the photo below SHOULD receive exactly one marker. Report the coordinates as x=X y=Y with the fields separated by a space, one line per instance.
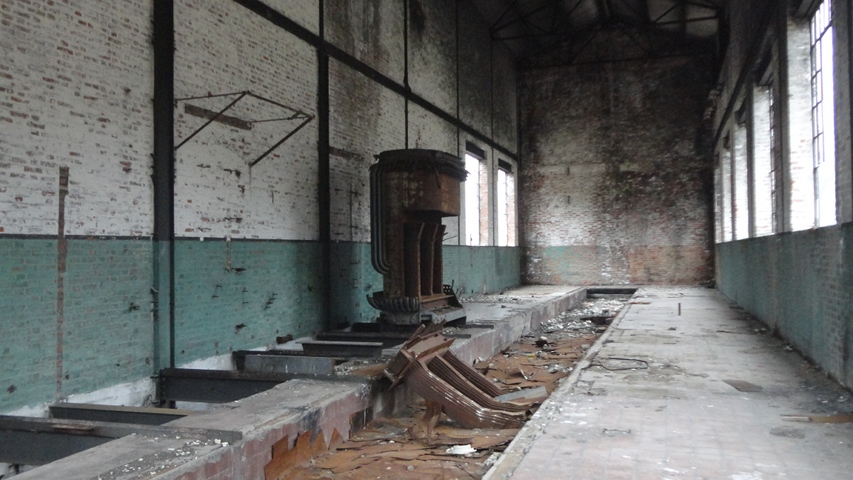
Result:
x=387 y=449
x=287 y=461
x=416 y=445
x=450 y=386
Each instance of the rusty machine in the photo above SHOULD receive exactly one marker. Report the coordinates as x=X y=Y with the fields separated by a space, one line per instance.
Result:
x=410 y=192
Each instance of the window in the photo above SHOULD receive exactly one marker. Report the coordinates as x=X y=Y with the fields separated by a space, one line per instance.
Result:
x=774 y=152
x=740 y=183
x=505 y=205
x=762 y=162
x=823 y=115
x=472 y=200
x=725 y=159
x=718 y=204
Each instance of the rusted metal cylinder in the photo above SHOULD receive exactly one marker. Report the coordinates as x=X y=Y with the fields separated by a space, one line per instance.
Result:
x=411 y=191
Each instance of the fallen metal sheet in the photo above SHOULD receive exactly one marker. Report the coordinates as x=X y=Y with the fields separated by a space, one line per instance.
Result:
x=116 y=414
x=288 y=364
x=456 y=405
x=343 y=349
x=446 y=372
x=471 y=374
x=449 y=385
x=528 y=394
x=420 y=346
x=37 y=441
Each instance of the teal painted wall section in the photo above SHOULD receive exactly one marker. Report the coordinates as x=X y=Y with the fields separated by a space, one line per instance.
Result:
x=473 y=269
x=28 y=275
x=107 y=330
x=244 y=295
x=482 y=269
x=228 y=297
x=801 y=285
x=353 y=278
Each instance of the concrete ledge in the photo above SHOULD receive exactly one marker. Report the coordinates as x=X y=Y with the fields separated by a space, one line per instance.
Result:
x=297 y=406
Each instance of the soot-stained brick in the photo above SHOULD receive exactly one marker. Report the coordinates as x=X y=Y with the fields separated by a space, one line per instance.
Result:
x=617 y=182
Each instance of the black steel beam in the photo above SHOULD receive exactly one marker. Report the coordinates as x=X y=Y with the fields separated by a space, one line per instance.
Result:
x=387 y=339
x=163 y=292
x=39 y=448
x=214 y=386
x=611 y=290
x=116 y=414
x=343 y=349
x=37 y=441
x=288 y=364
x=324 y=173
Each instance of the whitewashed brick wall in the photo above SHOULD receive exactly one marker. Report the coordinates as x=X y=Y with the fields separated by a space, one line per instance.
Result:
x=432 y=52
x=365 y=119
x=76 y=82
x=222 y=48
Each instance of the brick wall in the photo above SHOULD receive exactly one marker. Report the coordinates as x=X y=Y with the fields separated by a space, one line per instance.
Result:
x=28 y=347
x=798 y=283
x=371 y=31
x=801 y=285
x=842 y=19
x=432 y=53
x=475 y=69
x=223 y=49
x=108 y=333
x=75 y=90
x=365 y=119
x=240 y=295
x=616 y=185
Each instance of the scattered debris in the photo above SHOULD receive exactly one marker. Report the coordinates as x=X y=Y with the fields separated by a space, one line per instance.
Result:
x=840 y=418
x=789 y=432
x=485 y=405
x=461 y=450
x=615 y=364
x=744 y=386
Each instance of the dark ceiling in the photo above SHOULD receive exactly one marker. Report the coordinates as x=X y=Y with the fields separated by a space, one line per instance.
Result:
x=543 y=28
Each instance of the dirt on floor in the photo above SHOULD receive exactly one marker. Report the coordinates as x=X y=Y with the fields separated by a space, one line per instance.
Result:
x=404 y=447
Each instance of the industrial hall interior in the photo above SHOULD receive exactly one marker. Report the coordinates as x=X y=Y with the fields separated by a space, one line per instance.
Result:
x=426 y=239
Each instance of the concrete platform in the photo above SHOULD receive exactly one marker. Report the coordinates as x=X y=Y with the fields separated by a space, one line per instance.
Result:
x=296 y=406
x=703 y=395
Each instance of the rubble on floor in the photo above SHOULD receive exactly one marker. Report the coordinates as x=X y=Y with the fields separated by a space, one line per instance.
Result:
x=421 y=443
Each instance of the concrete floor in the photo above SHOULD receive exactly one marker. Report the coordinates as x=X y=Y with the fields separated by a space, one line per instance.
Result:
x=653 y=403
